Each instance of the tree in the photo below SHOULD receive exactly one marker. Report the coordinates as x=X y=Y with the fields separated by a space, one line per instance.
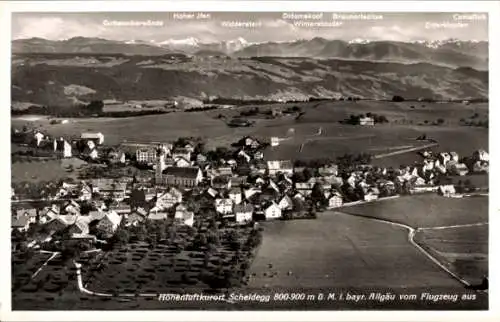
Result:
x=95 y=107
x=398 y=98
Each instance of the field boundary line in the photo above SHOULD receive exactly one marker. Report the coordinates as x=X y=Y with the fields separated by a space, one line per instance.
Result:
x=411 y=234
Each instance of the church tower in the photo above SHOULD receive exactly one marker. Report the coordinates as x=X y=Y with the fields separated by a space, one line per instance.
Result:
x=159 y=166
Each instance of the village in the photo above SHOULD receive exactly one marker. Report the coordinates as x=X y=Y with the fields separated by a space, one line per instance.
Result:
x=235 y=183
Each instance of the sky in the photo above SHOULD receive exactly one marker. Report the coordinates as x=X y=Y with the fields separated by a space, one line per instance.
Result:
x=254 y=27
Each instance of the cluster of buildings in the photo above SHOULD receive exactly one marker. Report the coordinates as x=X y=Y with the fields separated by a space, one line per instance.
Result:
x=240 y=186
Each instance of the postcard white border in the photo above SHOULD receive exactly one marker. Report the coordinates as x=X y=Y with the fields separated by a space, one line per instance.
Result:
x=6 y=8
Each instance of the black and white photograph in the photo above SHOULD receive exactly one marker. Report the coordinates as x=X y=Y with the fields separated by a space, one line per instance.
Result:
x=248 y=160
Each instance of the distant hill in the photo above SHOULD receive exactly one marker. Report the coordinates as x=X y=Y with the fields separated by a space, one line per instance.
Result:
x=451 y=53
x=50 y=79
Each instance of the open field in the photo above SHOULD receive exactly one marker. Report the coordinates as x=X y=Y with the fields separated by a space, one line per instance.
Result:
x=335 y=139
x=44 y=170
x=464 y=250
x=337 y=250
x=426 y=210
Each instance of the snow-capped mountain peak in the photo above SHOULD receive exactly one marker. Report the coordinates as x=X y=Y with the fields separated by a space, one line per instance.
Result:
x=191 y=41
x=359 y=41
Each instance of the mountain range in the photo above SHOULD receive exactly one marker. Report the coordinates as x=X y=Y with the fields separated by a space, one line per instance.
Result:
x=450 y=52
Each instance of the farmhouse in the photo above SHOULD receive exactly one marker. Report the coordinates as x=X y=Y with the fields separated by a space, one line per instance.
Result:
x=235 y=195
x=136 y=217
x=446 y=190
x=221 y=182
x=168 y=199
x=224 y=206
x=275 y=141
x=272 y=211
x=109 y=223
x=63 y=148
x=184 y=216
x=85 y=192
x=110 y=188
x=38 y=137
x=275 y=167
x=481 y=155
x=97 y=138
x=183 y=177
x=366 y=121
x=285 y=203
x=243 y=213
x=335 y=200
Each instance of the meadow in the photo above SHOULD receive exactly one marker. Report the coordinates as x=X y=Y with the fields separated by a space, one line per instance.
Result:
x=407 y=121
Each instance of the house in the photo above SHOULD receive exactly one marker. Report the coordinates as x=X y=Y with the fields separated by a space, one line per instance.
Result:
x=243 y=213
x=242 y=154
x=168 y=199
x=157 y=215
x=299 y=197
x=250 y=192
x=183 y=177
x=109 y=223
x=275 y=141
x=136 y=217
x=120 y=207
x=285 y=203
x=181 y=153
x=447 y=190
x=184 y=216
x=235 y=195
x=335 y=200
x=39 y=137
x=249 y=142
x=272 y=211
x=220 y=171
x=258 y=155
x=221 y=182
x=85 y=192
x=444 y=158
x=238 y=181
x=481 y=155
x=117 y=157
x=305 y=188
x=201 y=158
x=71 y=207
x=97 y=138
x=189 y=147
x=55 y=225
x=328 y=170
x=275 y=167
x=212 y=192
x=110 y=188
x=181 y=162
x=62 y=147
x=21 y=224
x=454 y=156
x=459 y=169
x=367 y=121
x=224 y=205
x=481 y=166
x=30 y=214
x=371 y=194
